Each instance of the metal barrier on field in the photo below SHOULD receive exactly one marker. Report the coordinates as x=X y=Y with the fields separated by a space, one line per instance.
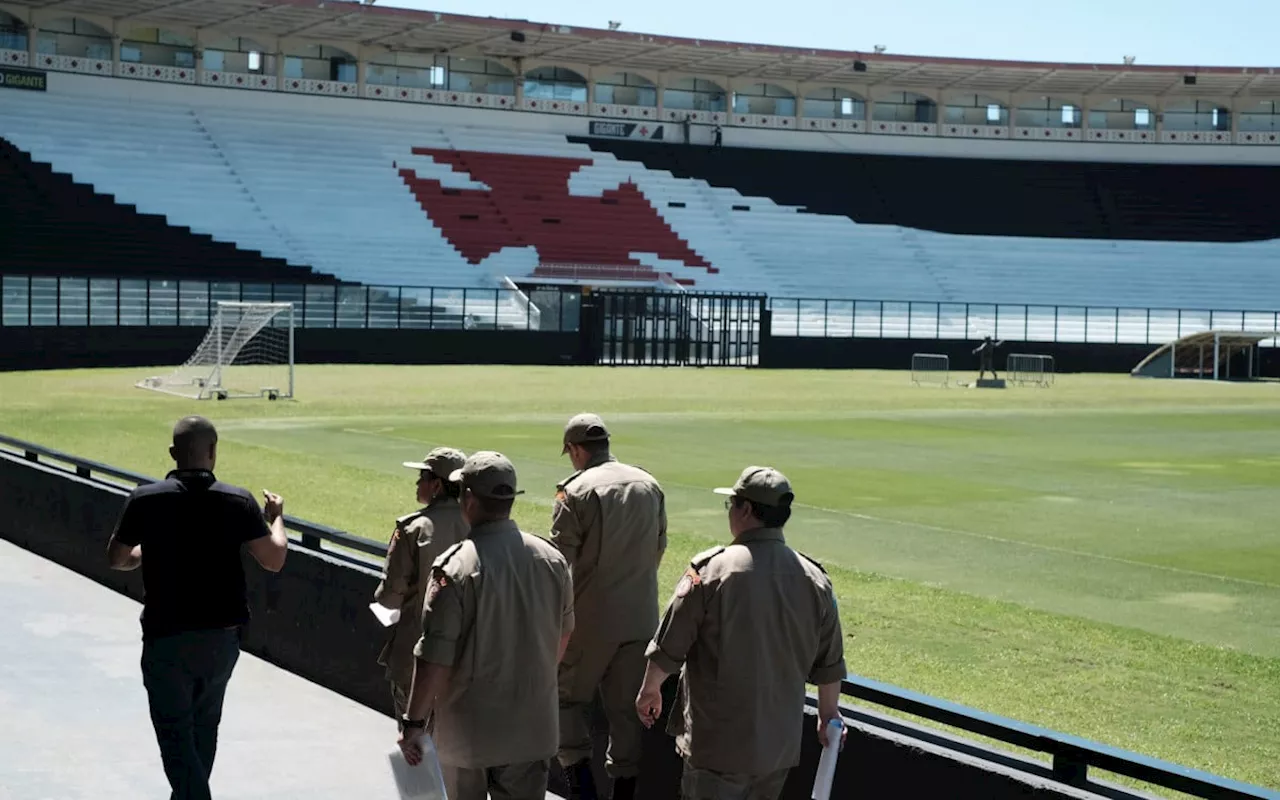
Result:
x=1071 y=757
x=1025 y=368
x=930 y=368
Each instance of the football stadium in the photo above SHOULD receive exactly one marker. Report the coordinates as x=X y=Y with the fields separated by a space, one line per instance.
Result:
x=1007 y=327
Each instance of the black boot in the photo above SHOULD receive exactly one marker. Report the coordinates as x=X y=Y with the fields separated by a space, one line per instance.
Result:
x=582 y=784
x=624 y=789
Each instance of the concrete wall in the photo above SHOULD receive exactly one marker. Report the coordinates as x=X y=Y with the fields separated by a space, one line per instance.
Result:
x=71 y=347
x=800 y=352
x=313 y=619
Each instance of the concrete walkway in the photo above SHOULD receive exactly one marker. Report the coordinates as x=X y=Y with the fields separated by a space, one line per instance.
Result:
x=73 y=713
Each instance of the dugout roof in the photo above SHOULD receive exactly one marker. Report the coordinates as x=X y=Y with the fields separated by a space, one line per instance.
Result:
x=1195 y=353
x=340 y=21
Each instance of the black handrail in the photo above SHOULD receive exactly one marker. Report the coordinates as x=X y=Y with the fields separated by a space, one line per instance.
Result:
x=311 y=535
x=1072 y=755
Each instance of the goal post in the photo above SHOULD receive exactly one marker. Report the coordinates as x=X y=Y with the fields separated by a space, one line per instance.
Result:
x=1027 y=368
x=247 y=352
x=930 y=368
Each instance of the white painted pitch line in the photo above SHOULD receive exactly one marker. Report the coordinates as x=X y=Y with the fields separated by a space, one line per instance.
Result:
x=1046 y=547
x=940 y=529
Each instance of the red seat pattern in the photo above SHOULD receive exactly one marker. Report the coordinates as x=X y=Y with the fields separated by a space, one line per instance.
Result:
x=528 y=203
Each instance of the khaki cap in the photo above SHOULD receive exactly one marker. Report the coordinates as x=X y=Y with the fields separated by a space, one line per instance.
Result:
x=488 y=474
x=761 y=485
x=440 y=462
x=584 y=428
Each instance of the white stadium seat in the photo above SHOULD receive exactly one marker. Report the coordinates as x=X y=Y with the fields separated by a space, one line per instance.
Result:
x=323 y=190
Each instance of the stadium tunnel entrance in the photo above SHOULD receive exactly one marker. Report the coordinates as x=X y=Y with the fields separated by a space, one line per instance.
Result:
x=703 y=329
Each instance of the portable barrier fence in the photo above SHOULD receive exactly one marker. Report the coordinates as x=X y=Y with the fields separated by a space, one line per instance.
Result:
x=930 y=368
x=1027 y=369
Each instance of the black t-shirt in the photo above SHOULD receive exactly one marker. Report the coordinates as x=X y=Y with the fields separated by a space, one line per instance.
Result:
x=191 y=528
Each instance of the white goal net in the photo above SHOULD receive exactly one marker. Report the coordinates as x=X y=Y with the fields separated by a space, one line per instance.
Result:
x=247 y=352
x=930 y=368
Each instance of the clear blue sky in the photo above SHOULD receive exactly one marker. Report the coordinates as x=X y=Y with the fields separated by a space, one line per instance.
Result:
x=1179 y=32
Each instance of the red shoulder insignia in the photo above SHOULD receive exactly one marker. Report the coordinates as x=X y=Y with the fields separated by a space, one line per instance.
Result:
x=435 y=585
x=690 y=579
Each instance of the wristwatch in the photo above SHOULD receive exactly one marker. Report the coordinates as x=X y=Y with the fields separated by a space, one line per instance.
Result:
x=412 y=724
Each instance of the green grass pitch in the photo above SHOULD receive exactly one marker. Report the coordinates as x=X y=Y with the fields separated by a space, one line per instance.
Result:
x=1101 y=557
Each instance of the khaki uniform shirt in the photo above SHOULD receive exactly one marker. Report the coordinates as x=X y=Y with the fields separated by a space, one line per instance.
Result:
x=610 y=522
x=751 y=623
x=496 y=609
x=420 y=538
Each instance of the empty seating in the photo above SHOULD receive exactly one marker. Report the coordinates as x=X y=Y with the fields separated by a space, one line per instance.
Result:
x=527 y=203
x=388 y=199
x=50 y=225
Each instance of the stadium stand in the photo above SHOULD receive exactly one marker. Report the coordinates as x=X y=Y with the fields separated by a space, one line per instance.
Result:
x=1052 y=199
x=50 y=225
x=528 y=203
x=386 y=202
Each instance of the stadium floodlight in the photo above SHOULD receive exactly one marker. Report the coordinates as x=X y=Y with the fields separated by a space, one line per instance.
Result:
x=247 y=352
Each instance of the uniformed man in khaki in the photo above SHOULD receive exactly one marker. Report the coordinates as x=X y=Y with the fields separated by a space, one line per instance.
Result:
x=610 y=523
x=498 y=614
x=751 y=615
x=418 y=540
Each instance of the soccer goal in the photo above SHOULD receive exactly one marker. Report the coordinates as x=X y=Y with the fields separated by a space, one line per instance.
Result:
x=247 y=352
x=1024 y=368
x=930 y=368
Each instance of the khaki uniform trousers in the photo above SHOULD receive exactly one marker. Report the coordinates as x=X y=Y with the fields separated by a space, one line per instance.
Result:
x=616 y=671
x=509 y=782
x=703 y=784
x=400 y=699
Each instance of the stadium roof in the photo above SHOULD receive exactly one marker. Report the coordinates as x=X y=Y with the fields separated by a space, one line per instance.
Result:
x=431 y=32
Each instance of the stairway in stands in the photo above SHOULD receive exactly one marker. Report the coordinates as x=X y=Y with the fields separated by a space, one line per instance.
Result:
x=528 y=203
x=51 y=225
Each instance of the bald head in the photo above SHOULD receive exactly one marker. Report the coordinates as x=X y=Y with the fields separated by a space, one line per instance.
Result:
x=195 y=443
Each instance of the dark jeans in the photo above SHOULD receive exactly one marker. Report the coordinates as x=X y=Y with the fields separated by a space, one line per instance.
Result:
x=186 y=677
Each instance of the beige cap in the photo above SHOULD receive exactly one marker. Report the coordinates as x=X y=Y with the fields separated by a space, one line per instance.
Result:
x=761 y=485
x=440 y=462
x=488 y=474
x=584 y=428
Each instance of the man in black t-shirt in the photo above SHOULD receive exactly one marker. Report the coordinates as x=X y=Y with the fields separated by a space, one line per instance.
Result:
x=191 y=528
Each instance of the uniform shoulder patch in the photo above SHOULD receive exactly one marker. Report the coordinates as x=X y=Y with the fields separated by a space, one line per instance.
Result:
x=440 y=562
x=438 y=581
x=700 y=560
x=813 y=561
x=560 y=486
x=407 y=518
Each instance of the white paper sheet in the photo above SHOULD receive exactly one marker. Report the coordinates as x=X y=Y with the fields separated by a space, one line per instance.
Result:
x=387 y=616
x=423 y=782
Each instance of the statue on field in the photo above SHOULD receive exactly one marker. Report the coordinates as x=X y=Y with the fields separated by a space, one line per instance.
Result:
x=986 y=353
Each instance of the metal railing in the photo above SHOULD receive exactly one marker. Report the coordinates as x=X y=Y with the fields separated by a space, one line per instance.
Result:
x=907 y=319
x=30 y=301
x=1072 y=756
x=310 y=535
x=82 y=301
